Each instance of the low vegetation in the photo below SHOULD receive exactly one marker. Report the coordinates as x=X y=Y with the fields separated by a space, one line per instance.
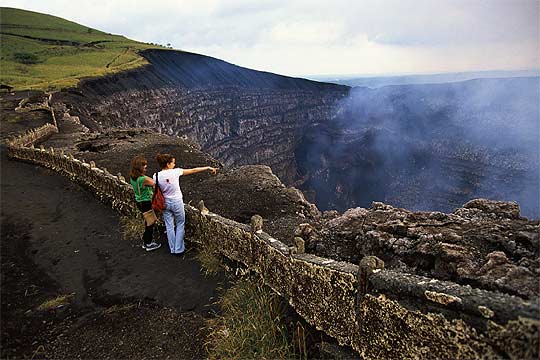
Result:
x=25 y=58
x=209 y=258
x=131 y=227
x=253 y=325
x=59 y=301
x=45 y=52
x=254 y=322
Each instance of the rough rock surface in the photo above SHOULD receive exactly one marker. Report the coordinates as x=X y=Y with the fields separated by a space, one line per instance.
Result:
x=485 y=243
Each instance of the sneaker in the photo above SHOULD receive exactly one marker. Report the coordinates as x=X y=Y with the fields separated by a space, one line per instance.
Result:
x=152 y=246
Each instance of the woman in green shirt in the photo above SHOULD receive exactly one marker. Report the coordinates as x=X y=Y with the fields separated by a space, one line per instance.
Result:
x=142 y=187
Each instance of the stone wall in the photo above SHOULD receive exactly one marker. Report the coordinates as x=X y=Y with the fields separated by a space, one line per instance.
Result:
x=379 y=313
x=32 y=136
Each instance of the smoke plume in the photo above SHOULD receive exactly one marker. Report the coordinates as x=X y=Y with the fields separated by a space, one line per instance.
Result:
x=428 y=147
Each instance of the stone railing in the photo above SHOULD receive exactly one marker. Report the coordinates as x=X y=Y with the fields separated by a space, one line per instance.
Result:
x=32 y=136
x=380 y=313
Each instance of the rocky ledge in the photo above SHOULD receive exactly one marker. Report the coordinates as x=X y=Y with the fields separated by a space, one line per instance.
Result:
x=485 y=244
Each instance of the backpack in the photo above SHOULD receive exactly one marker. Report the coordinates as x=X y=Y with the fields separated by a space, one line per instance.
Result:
x=158 y=201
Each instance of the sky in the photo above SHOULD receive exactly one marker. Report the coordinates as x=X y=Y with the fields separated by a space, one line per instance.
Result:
x=322 y=37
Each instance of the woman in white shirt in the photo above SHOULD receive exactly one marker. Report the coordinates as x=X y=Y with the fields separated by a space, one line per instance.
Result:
x=168 y=180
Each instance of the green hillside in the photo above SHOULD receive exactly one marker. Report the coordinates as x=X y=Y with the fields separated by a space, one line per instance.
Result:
x=45 y=52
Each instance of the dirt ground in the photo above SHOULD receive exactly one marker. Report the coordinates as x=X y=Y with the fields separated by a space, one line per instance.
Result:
x=120 y=301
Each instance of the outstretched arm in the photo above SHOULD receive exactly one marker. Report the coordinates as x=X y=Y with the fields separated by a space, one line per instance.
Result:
x=200 y=169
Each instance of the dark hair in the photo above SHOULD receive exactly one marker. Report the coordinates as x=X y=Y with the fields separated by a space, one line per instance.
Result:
x=137 y=167
x=164 y=159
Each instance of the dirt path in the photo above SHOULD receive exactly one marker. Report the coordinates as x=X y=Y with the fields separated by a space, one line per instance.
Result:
x=58 y=239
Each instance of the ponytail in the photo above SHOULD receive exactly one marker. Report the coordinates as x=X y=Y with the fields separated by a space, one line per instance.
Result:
x=164 y=159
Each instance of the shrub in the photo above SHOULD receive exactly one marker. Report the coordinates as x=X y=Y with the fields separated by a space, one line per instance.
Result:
x=26 y=58
x=208 y=257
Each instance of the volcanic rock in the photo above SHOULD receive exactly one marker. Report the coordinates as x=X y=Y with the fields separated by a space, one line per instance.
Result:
x=485 y=243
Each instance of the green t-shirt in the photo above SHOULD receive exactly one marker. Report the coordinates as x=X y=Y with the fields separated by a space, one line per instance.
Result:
x=145 y=193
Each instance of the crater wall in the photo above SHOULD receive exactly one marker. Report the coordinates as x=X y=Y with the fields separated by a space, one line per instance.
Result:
x=237 y=115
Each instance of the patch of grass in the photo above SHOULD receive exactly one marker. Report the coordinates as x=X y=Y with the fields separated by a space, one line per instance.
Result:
x=208 y=257
x=56 y=302
x=131 y=227
x=45 y=52
x=252 y=325
x=118 y=309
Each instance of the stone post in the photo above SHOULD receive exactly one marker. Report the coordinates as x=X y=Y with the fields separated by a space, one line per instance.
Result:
x=299 y=244
x=203 y=209
x=256 y=224
x=367 y=266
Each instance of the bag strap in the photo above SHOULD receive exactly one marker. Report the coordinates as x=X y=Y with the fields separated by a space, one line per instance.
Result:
x=138 y=186
x=157 y=181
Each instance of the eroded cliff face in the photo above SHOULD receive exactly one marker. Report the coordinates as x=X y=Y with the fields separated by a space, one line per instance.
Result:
x=238 y=115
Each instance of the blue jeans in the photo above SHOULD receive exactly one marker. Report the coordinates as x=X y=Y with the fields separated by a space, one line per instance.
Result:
x=174 y=213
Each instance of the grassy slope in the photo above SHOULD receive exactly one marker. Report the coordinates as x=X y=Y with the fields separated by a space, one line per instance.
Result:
x=62 y=53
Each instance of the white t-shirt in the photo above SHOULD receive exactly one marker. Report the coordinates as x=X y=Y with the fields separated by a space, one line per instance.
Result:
x=169 y=183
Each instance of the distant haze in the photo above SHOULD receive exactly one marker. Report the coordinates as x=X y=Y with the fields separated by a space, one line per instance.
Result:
x=378 y=81
x=301 y=37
